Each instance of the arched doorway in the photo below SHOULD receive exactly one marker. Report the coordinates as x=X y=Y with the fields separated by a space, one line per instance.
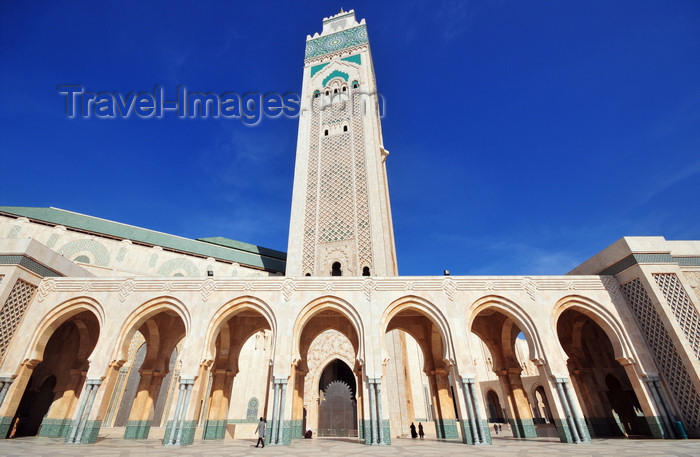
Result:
x=505 y=342
x=495 y=411
x=131 y=379
x=147 y=393
x=543 y=413
x=337 y=409
x=411 y=334
x=52 y=393
x=328 y=358
x=239 y=375
x=610 y=406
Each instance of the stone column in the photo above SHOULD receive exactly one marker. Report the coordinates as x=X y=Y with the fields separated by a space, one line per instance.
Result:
x=575 y=413
x=170 y=432
x=573 y=430
x=175 y=430
x=474 y=429
x=275 y=406
x=80 y=420
x=279 y=425
x=380 y=421
x=79 y=414
x=181 y=423
x=484 y=430
x=372 y=414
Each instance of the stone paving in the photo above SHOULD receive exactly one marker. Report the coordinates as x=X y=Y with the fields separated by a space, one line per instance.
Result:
x=501 y=447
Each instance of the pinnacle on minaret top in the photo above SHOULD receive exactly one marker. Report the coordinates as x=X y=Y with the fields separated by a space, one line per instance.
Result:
x=341 y=21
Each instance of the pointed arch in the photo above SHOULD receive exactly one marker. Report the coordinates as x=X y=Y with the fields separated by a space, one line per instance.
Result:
x=430 y=311
x=329 y=302
x=518 y=315
x=230 y=309
x=57 y=316
x=622 y=347
x=142 y=314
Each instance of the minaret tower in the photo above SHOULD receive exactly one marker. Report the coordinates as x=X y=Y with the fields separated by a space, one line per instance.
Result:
x=341 y=218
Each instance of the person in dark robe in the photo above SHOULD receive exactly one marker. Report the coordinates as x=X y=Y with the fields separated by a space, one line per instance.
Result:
x=413 y=431
x=420 y=430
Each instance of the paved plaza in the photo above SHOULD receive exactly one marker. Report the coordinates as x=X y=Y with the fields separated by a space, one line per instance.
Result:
x=501 y=447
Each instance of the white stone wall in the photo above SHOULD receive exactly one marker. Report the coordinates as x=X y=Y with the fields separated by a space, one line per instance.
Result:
x=110 y=257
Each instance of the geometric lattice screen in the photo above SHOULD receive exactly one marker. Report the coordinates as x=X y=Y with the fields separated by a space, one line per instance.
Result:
x=12 y=313
x=684 y=311
x=665 y=353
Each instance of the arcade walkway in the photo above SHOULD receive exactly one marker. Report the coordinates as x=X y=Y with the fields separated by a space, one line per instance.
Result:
x=502 y=447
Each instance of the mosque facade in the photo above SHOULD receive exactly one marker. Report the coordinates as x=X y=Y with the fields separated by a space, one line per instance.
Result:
x=110 y=330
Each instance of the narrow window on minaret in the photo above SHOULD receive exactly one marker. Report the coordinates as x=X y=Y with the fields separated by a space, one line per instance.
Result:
x=325 y=132
x=345 y=128
x=336 y=271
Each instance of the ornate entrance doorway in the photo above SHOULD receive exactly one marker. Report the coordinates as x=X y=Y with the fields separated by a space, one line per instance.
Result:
x=337 y=415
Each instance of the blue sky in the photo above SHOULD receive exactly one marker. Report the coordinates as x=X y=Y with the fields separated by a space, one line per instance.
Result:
x=525 y=136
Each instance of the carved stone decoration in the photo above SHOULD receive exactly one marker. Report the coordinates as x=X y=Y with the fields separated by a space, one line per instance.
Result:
x=125 y=290
x=288 y=288
x=530 y=287
x=368 y=287
x=208 y=287
x=45 y=287
x=326 y=346
x=611 y=285
x=450 y=288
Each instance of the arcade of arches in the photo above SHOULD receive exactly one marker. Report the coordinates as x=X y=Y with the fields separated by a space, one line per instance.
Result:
x=329 y=367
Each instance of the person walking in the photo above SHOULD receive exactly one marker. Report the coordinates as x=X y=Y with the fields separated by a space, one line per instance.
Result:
x=495 y=428
x=260 y=430
x=413 y=431
x=420 y=430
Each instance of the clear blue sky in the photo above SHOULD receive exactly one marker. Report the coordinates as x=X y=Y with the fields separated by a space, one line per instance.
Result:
x=524 y=136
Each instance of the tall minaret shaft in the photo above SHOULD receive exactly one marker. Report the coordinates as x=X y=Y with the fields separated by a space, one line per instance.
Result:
x=341 y=217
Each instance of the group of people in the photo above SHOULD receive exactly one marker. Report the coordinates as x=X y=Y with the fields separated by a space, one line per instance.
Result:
x=260 y=430
x=420 y=431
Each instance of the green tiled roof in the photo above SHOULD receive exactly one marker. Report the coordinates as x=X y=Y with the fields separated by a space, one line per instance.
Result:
x=216 y=247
